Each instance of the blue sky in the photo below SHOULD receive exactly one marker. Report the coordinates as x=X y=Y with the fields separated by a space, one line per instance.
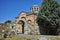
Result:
x=9 y=9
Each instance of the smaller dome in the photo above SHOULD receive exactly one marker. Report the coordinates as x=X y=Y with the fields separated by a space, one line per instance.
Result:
x=34 y=9
x=35 y=5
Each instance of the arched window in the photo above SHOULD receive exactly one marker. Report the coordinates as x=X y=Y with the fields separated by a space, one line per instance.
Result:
x=34 y=8
x=23 y=18
x=20 y=22
x=29 y=21
x=37 y=9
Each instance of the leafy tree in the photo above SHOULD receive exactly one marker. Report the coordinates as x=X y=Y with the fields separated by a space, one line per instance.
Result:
x=48 y=17
x=8 y=21
x=7 y=25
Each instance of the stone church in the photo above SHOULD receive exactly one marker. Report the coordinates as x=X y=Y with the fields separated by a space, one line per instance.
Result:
x=25 y=22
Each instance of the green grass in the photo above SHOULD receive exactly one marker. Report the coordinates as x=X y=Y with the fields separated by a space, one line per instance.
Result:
x=16 y=38
x=25 y=38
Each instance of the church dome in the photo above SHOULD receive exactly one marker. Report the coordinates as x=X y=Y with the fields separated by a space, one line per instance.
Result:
x=35 y=9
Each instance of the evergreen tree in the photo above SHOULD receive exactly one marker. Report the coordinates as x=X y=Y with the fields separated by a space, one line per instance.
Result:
x=48 y=18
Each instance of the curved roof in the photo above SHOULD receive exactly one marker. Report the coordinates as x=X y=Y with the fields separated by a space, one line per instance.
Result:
x=35 y=5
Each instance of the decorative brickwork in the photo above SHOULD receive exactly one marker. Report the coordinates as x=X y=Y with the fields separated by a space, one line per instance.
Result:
x=29 y=18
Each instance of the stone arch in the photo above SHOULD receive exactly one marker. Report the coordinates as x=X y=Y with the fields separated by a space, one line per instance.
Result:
x=23 y=24
x=23 y=18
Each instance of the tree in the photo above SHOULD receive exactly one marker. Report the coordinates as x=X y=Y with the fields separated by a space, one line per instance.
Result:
x=7 y=25
x=8 y=21
x=48 y=17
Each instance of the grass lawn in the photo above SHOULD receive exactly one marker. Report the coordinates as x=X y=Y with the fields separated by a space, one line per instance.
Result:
x=16 y=38
x=30 y=37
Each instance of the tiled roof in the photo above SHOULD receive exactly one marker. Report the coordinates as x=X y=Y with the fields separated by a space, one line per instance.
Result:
x=28 y=13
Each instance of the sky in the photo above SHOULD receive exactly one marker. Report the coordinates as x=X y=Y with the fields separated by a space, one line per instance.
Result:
x=9 y=9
